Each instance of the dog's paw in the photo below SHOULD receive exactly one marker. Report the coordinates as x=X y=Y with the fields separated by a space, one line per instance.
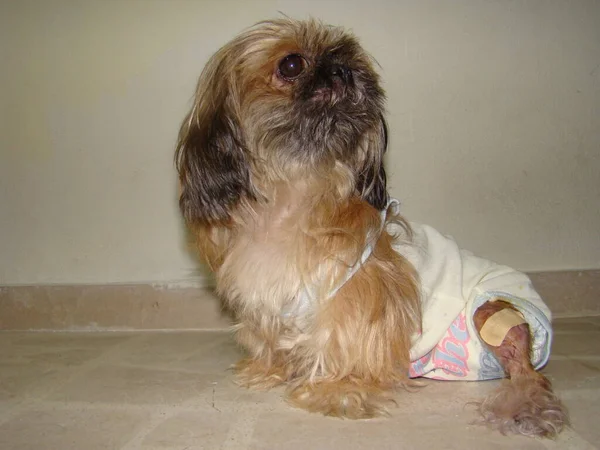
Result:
x=525 y=406
x=341 y=399
x=254 y=374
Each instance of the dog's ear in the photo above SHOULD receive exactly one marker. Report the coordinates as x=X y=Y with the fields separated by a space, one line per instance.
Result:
x=211 y=156
x=372 y=181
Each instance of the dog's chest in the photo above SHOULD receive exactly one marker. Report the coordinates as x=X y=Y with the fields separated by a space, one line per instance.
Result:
x=264 y=269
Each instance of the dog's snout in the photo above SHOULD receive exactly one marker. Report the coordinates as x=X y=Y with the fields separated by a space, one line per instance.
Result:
x=340 y=71
x=332 y=74
x=330 y=83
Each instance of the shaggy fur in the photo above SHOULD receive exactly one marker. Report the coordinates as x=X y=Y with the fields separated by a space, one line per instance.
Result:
x=282 y=181
x=525 y=406
x=281 y=168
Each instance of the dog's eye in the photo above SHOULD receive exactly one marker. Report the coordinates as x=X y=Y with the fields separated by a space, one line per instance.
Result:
x=291 y=67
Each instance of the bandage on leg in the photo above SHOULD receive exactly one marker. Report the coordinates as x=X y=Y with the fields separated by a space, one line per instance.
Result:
x=494 y=330
x=525 y=403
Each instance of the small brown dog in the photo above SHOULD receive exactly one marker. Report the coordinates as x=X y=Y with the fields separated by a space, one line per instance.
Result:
x=333 y=292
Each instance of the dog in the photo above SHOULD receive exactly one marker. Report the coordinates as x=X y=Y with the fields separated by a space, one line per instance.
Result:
x=334 y=294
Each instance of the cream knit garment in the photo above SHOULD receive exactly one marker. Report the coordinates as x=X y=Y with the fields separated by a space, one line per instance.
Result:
x=454 y=283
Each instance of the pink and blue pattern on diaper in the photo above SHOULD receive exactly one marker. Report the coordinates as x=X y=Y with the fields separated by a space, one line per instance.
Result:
x=449 y=358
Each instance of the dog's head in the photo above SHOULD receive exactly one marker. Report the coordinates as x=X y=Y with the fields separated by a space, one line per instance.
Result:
x=282 y=100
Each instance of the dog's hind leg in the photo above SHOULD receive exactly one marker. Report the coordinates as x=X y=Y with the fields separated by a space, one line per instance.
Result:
x=524 y=403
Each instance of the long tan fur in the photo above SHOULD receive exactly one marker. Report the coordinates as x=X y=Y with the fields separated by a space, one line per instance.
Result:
x=341 y=358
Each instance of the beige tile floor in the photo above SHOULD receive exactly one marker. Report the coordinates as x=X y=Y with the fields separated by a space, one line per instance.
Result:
x=172 y=391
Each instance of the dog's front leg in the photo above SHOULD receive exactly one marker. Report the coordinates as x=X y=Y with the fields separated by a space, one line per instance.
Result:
x=357 y=352
x=265 y=367
x=524 y=404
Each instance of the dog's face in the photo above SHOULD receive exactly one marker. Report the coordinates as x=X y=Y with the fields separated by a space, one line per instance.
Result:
x=282 y=100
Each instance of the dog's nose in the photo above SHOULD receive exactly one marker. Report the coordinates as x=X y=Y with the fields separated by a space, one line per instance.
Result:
x=341 y=72
x=331 y=82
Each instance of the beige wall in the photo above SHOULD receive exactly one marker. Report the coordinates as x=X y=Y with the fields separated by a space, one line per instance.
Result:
x=494 y=113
